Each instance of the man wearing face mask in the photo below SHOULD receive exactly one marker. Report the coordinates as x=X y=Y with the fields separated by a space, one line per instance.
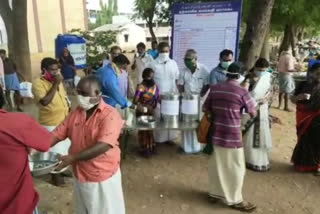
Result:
x=219 y=74
x=141 y=61
x=52 y=101
x=111 y=88
x=94 y=128
x=194 y=78
x=122 y=73
x=154 y=50
x=166 y=75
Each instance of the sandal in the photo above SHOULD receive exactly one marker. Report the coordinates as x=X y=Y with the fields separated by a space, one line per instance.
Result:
x=244 y=207
x=213 y=200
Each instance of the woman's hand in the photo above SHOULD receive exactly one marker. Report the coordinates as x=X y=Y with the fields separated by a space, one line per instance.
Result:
x=142 y=109
x=303 y=96
x=209 y=116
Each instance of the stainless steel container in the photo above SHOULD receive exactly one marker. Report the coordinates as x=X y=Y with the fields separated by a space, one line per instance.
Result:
x=190 y=106
x=169 y=108
x=43 y=163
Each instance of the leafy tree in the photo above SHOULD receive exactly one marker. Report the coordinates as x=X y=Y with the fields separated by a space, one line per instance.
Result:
x=293 y=18
x=97 y=44
x=148 y=10
x=15 y=20
x=106 y=13
x=258 y=23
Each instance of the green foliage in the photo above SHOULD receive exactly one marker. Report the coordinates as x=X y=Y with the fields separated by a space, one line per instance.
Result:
x=106 y=13
x=300 y=13
x=147 y=9
x=97 y=44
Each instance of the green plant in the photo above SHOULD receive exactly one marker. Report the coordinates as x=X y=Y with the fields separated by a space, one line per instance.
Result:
x=97 y=44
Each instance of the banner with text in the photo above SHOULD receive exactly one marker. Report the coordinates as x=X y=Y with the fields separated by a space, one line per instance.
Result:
x=206 y=27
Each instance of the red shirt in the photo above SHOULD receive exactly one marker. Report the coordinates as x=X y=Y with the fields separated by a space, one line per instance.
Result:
x=103 y=126
x=17 y=133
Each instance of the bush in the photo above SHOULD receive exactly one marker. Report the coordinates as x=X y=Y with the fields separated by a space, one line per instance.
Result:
x=98 y=44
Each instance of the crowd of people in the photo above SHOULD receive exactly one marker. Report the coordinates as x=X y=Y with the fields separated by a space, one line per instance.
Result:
x=236 y=104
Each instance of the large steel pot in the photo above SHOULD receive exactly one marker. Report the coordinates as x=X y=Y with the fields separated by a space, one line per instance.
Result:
x=190 y=106
x=169 y=108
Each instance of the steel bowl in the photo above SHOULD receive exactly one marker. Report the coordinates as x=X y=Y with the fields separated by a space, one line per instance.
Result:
x=42 y=163
x=147 y=120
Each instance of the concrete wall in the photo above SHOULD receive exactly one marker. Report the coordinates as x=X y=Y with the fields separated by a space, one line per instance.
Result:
x=45 y=23
x=74 y=14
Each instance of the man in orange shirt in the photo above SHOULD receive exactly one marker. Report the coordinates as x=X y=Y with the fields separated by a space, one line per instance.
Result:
x=93 y=128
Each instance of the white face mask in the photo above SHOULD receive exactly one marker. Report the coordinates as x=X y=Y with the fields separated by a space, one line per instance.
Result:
x=163 y=56
x=84 y=102
x=260 y=73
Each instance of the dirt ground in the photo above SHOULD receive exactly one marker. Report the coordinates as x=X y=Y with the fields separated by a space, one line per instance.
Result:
x=173 y=183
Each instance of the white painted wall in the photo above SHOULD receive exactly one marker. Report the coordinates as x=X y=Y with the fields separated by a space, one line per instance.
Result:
x=135 y=34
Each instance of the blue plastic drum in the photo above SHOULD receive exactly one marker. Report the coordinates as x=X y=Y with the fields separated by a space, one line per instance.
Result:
x=77 y=47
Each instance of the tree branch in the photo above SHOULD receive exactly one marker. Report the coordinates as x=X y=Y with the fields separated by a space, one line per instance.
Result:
x=5 y=10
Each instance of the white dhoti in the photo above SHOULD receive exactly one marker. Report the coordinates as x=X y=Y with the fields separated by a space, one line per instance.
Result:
x=62 y=147
x=226 y=174
x=99 y=198
x=163 y=136
x=189 y=142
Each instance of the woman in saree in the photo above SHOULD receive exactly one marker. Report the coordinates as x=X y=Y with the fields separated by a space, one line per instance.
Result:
x=256 y=133
x=306 y=154
x=145 y=100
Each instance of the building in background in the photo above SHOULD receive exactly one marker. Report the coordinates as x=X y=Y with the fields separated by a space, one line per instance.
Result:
x=93 y=9
x=47 y=19
x=129 y=34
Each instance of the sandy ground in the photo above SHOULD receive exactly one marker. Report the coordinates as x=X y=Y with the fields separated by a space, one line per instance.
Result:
x=173 y=183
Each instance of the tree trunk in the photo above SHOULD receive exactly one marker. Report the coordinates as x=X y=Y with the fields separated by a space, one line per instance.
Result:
x=21 y=51
x=286 y=40
x=153 y=35
x=265 y=52
x=293 y=40
x=257 y=25
x=300 y=34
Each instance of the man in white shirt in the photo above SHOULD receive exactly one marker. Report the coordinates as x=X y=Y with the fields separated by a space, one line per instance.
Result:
x=194 y=78
x=141 y=61
x=166 y=75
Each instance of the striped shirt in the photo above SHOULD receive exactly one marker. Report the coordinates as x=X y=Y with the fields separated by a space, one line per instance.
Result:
x=226 y=101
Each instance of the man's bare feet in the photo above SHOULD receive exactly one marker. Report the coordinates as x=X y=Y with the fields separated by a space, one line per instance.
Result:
x=288 y=110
